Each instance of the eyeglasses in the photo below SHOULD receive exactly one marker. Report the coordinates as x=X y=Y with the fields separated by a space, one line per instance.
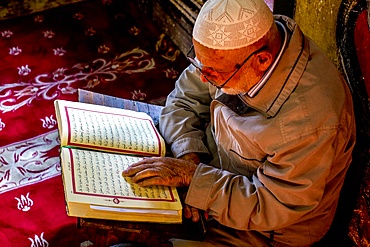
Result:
x=195 y=62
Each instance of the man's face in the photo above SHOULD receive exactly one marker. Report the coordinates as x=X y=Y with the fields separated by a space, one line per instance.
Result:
x=221 y=68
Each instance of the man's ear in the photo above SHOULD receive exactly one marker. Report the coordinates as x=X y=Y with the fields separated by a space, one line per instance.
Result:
x=264 y=60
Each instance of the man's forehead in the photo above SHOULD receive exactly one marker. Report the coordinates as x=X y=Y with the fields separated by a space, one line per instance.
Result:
x=218 y=60
x=216 y=54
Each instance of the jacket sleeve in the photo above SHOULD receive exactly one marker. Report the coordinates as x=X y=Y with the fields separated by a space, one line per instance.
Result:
x=283 y=190
x=186 y=114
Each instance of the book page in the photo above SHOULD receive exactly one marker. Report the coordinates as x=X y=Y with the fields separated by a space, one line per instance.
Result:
x=108 y=129
x=97 y=175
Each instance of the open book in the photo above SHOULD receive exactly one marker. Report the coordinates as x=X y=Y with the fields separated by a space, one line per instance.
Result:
x=97 y=144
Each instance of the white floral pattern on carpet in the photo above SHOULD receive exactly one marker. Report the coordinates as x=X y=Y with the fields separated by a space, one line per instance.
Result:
x=29 y=161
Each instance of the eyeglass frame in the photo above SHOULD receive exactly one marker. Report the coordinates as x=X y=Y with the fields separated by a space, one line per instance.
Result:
x=237 y=66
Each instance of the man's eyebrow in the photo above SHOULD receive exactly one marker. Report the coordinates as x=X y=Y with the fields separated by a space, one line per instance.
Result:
x=222 y=70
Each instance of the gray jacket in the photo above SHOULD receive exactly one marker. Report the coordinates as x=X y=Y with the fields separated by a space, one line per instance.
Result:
x=277 y=160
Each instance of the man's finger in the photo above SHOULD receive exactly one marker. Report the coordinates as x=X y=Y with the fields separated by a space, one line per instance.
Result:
x=195 y=214
x=187 y=212
x=130 y=171
x=144 y=174
x=150 y=181
x=136 y=167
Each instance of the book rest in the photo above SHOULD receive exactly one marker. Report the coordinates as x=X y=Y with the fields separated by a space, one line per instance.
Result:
x=107 y=232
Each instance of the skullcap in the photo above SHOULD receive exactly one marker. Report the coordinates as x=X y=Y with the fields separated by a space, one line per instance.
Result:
x=232 y=24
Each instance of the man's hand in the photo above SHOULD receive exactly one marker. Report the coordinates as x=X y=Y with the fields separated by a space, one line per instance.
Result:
x=193 y=213
x=161 y=171
x=192 y=157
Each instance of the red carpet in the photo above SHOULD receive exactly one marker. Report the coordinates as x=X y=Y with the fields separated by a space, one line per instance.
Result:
x=35 y=215
x=95 y=45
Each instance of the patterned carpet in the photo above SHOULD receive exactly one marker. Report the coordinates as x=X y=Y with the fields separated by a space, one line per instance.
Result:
x=101 y=46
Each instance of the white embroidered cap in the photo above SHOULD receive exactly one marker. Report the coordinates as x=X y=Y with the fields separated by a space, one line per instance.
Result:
x=232 y=24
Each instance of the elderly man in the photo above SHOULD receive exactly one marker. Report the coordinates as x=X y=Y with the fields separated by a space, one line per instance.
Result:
x=261 y=126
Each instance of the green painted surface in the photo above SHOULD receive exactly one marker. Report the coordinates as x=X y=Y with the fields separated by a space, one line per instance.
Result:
x=318 y=19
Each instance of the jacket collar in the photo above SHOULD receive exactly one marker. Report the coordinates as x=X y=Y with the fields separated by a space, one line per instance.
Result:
x=286 y=74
